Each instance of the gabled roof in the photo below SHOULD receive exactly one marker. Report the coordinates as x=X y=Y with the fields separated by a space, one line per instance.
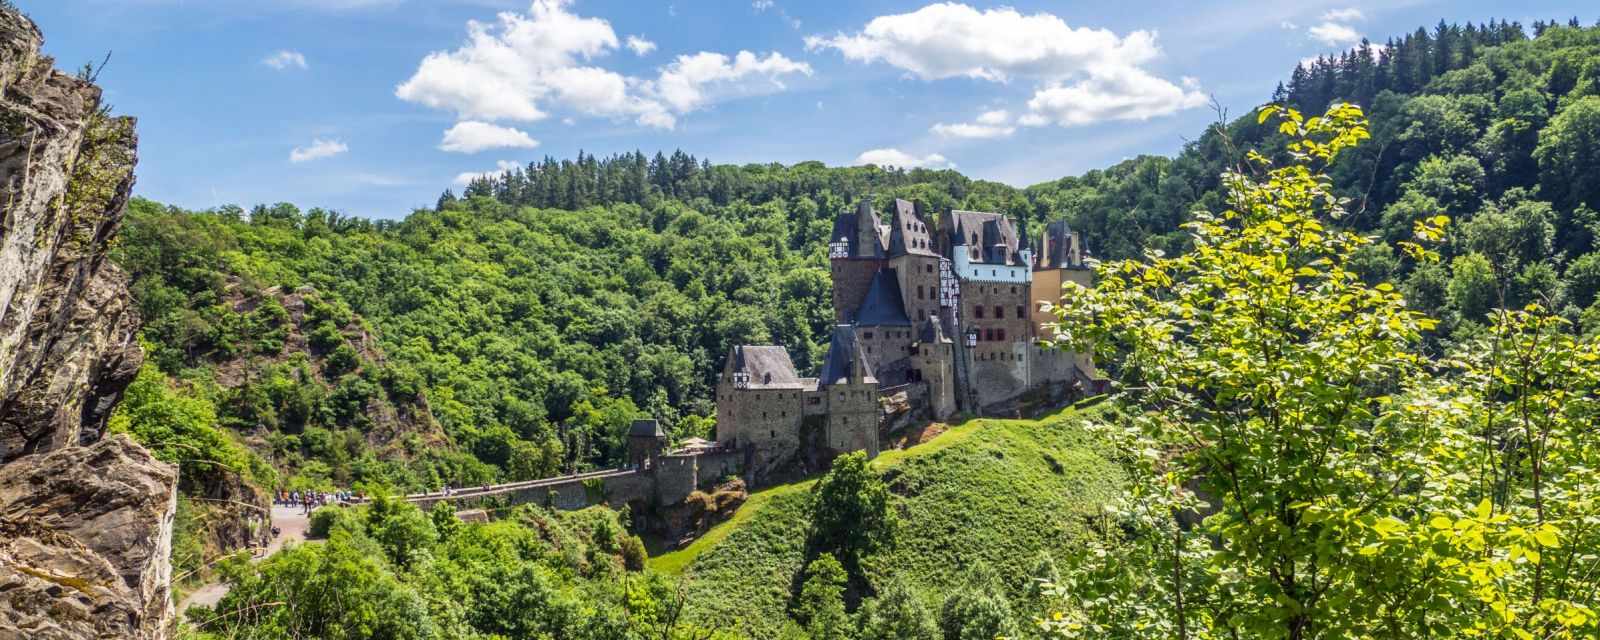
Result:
x=994 y=234
x=1059 y=247
x=647 y=428
x=844 y=361
x=883 y=306
x=769 y=367
x=931 y=332
x=849 y=228
x=908 y=232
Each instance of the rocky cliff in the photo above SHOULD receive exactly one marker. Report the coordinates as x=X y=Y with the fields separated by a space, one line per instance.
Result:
x=85 y=522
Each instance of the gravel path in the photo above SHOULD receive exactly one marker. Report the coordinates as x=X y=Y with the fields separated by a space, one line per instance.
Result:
x=291 y=524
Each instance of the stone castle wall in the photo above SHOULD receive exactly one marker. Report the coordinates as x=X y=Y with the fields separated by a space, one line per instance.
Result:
x=852 y=277
x=999 y=366
x=918 y=277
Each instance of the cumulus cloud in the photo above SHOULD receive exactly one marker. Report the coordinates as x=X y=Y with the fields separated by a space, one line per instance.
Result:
x=1082 y=74
x=1118 y=94
x=472 y=136
x=761 y=5
x=319 y=149
x=950 y=40
x=524 y=65
x=691 y=80
x=1335 y=29
x=640 y=46
x=285 y=59
x=896 y=158
x=501 y=168
x=989 y=124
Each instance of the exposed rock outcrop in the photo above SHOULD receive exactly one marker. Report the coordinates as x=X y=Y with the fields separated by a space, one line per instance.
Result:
x=85 y=523
x=85 y=542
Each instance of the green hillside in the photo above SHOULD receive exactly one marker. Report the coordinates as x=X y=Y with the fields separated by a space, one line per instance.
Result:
x=988 y=495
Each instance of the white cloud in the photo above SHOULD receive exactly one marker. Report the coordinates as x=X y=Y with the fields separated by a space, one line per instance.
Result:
x=997 y=116
x=691 y=80
x=472 y=136
x=897 y=158
x=640 y=46
x=319 y=149
x=762 y=5
x=1121 y=94
x=524 y=66
x=501 y=168
x=1335 y=29
x=1334 y=34
x=990 y=124
x=1350 y=14
x=1083 y=74
x=285 y=59
x=950 y=40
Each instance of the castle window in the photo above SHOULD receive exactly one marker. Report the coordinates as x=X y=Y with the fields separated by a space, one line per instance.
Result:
x=846 y=420
x=998 y=313
x=1020 y=312
x=1000 y=334
x=774 y=433
x=922 y=314
x=866 y=336
x=919 y=292
x=929 y=269
x=1013 y=287
x=978 y=311
x=763 y=415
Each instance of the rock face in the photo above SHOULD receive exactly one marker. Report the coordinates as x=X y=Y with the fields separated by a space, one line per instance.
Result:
x=85 y=522
x=85 y=542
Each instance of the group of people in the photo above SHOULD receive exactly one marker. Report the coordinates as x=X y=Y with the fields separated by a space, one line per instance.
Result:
x=310 y=500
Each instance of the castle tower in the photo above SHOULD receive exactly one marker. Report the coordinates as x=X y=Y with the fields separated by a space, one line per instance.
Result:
x=850 y=390
x=1060 y=260
x=882 y=330
x=646 y=441
x=915 y=261
x=935 y=366
x=759 y=406
x=857 y=249
x=993 y=267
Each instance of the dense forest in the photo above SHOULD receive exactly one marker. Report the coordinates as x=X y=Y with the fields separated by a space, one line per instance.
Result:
x=536 y=314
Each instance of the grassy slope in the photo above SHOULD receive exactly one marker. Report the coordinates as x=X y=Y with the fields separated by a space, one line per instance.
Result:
x=983 y=493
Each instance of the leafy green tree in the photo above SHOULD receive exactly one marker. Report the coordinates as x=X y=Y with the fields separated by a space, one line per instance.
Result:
x=896 y=614
x=820 y=605
x=850 y=514
x=1569 y=154
x=1346 y=498
x=977 y=612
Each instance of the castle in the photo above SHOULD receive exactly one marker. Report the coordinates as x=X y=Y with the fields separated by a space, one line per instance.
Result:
x=929 y=321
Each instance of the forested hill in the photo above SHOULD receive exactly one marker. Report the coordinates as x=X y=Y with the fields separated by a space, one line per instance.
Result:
x=538 y=320
x=542 y=310
x=1482 y=123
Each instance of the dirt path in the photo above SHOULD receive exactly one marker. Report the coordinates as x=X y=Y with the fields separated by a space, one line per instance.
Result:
x=291 y=524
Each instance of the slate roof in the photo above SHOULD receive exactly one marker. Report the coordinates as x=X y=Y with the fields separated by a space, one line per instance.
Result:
x=844 y=359
x=883 y=305
x=992 y=232
x=646 y=429
x=908 y=232
x=931 y=332
x=1056 y=250
x=846 y=228
x=769 y=367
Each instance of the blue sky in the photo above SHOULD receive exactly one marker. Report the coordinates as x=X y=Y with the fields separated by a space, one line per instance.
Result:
x=373 y=107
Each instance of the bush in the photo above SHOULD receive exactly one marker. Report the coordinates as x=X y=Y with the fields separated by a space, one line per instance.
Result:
x=633 y=553
x=324 y=520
